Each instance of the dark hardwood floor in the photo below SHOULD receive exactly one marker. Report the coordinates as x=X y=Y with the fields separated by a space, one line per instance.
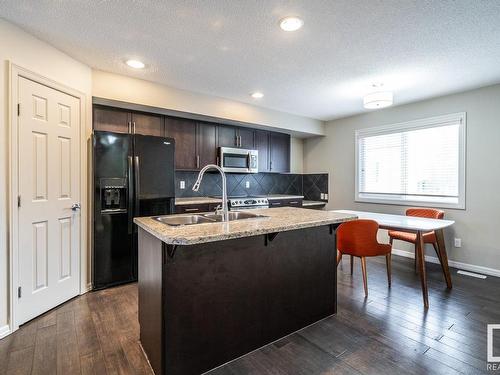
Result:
x=387 y=333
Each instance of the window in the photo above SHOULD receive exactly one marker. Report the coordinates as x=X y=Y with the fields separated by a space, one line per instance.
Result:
x=419 y=163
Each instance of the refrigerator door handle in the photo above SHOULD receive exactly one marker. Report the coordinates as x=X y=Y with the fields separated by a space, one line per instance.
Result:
x=136 y=185
x=130 y=208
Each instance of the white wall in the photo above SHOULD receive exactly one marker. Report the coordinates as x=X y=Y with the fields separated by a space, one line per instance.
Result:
x=296 y=155
x=478 y=225
x=133 y=90
x=30 y=53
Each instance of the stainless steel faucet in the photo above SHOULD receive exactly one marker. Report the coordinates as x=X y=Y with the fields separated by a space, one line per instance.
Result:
x=196 y=187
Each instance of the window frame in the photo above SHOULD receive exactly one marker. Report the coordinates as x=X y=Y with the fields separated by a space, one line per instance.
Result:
x=424 y=123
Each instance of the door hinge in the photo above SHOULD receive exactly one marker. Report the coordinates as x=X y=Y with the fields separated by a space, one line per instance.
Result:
x=18 y=109
x=18 y=201
x=19 y=292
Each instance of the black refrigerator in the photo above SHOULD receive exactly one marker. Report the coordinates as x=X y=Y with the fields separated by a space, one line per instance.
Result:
x=133 y=176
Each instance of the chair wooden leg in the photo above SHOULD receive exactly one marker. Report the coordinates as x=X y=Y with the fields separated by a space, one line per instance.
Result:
x=421 y=265
x=388 y=264
x=339 y=257
x=365 y=281
x=443 y=257
x=416 y=259
x=436 y=249
x=352 y=264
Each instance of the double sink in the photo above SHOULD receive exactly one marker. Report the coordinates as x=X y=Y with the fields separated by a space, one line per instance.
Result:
x=176 y=220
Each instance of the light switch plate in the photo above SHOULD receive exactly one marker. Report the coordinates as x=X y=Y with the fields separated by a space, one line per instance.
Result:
x=458 y=242
x=182 y=184
x=247 y=184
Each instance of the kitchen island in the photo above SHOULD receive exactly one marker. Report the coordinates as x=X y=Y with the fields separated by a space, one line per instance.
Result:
x=209 y=293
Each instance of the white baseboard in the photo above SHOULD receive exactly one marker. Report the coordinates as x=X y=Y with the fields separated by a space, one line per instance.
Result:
x=451 y=263
x=87 y=288
x=4 y=331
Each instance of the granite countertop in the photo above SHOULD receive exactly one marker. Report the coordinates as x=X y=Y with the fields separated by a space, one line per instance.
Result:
x=277 y=220
x=205 y=200
x=313 y=203
x=196 y=200
x=283 y=196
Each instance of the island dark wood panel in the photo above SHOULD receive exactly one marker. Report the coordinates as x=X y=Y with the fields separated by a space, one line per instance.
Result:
x=203 y=305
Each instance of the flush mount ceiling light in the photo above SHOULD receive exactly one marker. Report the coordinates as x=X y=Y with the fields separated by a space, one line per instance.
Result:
x=257 y=95
x=136 y=64
x=291 y=23
x=378 y=98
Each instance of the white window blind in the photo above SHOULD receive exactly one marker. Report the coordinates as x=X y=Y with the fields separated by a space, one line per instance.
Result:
x=415 y=163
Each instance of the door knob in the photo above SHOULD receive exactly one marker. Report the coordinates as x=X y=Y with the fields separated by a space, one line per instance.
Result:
x=75 y=206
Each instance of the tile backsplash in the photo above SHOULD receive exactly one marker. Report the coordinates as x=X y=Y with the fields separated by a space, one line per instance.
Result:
x=309 y=185
x=313 y=185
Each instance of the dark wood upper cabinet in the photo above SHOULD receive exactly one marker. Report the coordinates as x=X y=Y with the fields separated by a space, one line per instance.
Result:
x=226 y=136
x=196 y=142
x=146 y=124
x=184 y=133
x=279 y=152
x=231 y=136
x=123 y=121
x=206 y=144
x=262 y=145
x=246 y=136
x=111 y=119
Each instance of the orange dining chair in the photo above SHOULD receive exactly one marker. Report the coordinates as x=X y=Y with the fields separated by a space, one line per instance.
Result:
x=358 y=238
x=429 y=237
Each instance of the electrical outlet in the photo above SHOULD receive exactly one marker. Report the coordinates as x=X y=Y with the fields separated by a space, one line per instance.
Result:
x=326 y=196
x=247 y=184
x=182 y=184
x=458 y=242
x=322 y=196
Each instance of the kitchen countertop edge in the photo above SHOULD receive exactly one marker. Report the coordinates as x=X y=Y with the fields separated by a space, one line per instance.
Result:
x=278 y=220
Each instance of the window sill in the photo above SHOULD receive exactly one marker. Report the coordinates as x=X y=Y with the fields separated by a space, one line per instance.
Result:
x=414 y=203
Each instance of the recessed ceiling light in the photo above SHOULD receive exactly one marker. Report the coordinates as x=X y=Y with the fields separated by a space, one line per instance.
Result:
x=257 y=95
x=378 y=98
x=291 y=23
x=136 y=64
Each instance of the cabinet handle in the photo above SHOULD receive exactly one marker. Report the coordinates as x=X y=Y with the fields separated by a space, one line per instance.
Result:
x=129 y=127
x=134 y=126
x=191 y=209
x=197 y=161
x=294 y=202
x=276 y=204
x=236 y=140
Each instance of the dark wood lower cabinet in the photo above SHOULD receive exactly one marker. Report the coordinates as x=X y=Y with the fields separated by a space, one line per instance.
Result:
x=195 y=208
x=273 y=203
x=203 y=305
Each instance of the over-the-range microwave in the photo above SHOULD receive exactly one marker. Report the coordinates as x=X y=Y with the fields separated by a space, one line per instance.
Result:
x=238 y=160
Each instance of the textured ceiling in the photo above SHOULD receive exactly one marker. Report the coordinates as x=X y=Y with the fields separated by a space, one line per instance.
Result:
x=230 y=48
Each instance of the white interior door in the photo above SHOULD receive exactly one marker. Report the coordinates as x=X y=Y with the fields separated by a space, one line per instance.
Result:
x=49 y=185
